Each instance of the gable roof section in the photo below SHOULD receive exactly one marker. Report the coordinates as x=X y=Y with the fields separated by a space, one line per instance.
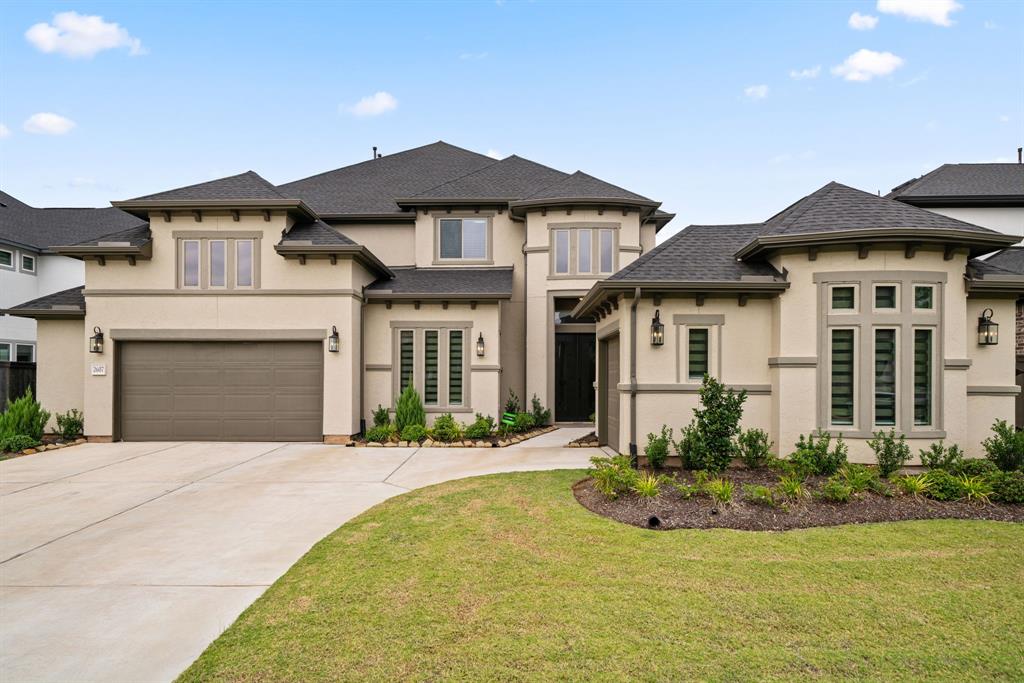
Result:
x=965 y=184
x=370 y=188
x=69 y=303
x=511 y=178
x=41 y=229
x=248 y=185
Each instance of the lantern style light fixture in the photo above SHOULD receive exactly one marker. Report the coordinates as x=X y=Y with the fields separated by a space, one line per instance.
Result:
x=657 y=330
x=334 y=341
x=96 y=341
x=480 y=345
x=988 y=331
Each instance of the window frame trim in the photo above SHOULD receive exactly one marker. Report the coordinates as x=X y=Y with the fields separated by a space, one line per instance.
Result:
x=488 y=219
x=419 y=329
x=21 y=263
x=855 y=408
x=199 y=263
x=30 y=345
x=896 y=297
x=14 y=259
x=913 y=297
x=10 y=350
x=897 y=380
x=252 y=263
x=856 y=298
x=596 y=228
x=209 y=258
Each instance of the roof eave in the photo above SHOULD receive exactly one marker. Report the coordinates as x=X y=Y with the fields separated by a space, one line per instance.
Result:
x=766 y=243
x=45 y=313
x=142 y=252
x=405 y=217
x=601 y=290
x=659 y=221
x=954 y=201
x=996 y=284
x=454 y=201
x=388 y=295
x=525 y=205
x=357 y=252
x=142 y=207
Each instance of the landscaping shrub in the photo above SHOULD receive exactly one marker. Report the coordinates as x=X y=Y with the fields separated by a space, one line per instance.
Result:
x=381 y=434
x=938 y=457
x=914 y=485
x=720 y=489
x=708 y=441
x=977 y=489
x=684 y=489
x=858 y=477
x=792 y=487
x=24 y=416
x=446 y=429
x=541 y=415
x=759 y=495
x=16 y=442
x=524 y=422
x=647 y=485
x=944 y=486
x=481 y=428
x=380 y=416
x=816 y=457
x=415 y=433
x=70 y=424
x=754 y=447
x=1007 y=487
x=1005 y=447
x=835 y=491
x=974 y=467
x=890 y=453
x=656 y=449
x=409 y=410
x=612 y=475
x=512 y=402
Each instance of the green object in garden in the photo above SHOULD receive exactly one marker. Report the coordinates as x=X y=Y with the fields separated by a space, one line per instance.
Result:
x=508 y=419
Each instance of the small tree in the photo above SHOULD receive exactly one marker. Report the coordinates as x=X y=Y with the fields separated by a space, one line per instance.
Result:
x=25 y=417
x=656 y=449
x=708 y=442
x=409 y=410
x=890 y=453
x=1005 y=447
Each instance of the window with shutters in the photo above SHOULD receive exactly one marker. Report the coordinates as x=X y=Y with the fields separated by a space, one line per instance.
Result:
x=455 y=341
x=433 y=360
x=407 y=359
x=923 y=377
x=885 y=377
x=842 y=366
x=697 y=353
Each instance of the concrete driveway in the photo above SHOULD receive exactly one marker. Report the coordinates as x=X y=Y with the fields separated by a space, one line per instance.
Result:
x=122 y=562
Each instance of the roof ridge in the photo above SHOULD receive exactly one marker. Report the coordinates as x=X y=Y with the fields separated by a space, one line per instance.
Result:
x=808 y=201
x=464 y=175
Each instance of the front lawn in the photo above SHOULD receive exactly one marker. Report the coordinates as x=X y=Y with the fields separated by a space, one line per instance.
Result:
x=508 y=577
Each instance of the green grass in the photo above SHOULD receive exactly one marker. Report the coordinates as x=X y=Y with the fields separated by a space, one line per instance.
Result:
x=507 y=577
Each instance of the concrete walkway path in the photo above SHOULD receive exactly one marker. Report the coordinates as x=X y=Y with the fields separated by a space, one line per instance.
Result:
x=122 y=562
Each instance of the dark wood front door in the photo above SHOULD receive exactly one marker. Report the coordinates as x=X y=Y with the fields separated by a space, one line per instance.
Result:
x=574 y=377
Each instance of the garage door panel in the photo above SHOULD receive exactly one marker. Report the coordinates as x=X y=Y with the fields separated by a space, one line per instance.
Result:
x=227 y=391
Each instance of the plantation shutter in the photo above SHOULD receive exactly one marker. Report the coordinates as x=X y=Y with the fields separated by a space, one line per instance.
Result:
x=697 y=365
x=842 y=298
x=885 y=296
x=455 y=367
x=406 y=358
x=842 y=377
x=885 y=377
x=430 y=358
x=922 y=377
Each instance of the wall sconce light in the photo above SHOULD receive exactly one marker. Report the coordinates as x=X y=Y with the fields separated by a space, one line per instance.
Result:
x=988 y=331
x=480 y=345
x=657 y=330
x=96 y=341
x=334 y=341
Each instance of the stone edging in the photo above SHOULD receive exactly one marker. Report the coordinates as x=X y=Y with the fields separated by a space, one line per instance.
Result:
x=493 y=442
x=46 y=447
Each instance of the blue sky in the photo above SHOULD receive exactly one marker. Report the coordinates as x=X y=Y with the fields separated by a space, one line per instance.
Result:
x=697 y=105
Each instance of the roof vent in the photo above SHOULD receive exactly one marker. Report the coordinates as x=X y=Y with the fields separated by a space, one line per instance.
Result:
x=1020 y=153
x=375 y=154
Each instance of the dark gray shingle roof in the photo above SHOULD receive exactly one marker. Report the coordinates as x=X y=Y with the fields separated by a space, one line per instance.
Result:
x=441 y=281
x=580 y=185
x=136 y=236
x=511 y=178
x=371 y=187
x=70 y=300
x=837 y=207
x=699 y=253
x=316 y=232
x=248 y=185
x=41 y=229
x=1010 y=260
x=965 y=180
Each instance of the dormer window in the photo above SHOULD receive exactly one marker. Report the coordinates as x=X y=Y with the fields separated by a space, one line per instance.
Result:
x=462 y=239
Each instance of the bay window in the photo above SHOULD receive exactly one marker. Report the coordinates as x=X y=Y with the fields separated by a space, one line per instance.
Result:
x=607 y=246
x=561 y=252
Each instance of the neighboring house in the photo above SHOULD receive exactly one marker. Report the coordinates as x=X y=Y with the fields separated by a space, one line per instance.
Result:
x=1010 y=261
x=240 y=310
x=846 y=312
x=30 y=269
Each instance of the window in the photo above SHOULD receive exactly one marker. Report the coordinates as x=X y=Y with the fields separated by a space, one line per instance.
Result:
x=924 y=297
x=922 y=377
x=243 y=263
x=6 y=259
x=430 y=369
x=28 y=263
x=842 y=361
x=697 y=353
x=844 y=298
x=26 y=353
x=455 y=340
x=463 y=238
x=561 y=251
x=218 y=263
x=885 y=377
x=406 y=359
x=584 y=250
x=885 y=297
x=190 y=263
x=5 y=352
x=607 y=250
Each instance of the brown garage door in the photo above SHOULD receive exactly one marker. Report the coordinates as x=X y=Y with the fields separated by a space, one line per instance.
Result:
x=221 y=391
x=609 y=425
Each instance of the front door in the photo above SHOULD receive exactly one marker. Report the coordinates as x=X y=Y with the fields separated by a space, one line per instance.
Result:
x=574 y=377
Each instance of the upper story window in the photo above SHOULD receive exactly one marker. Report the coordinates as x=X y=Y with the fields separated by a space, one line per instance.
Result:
x=585 y=251
x=190 y=263
x=463 y=239
x=6 y=258
x=28 y=263
x=25 y=353
x=244 y=263
x=211 y=261
x=218 y=263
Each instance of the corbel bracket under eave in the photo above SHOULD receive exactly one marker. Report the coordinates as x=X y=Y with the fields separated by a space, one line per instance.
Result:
x=948 y=252
x=910 y=250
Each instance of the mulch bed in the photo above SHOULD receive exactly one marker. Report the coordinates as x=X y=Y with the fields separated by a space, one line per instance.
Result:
x=702 y=512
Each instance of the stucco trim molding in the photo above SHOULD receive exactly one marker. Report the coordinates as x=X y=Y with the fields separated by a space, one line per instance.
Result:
x=957 y=363
x=223 y=292
x=697 y=319
x=377 y=367
x=693 y=388
x=982 y=390
x=485 y=368
x=793 y=362
x=217 y=335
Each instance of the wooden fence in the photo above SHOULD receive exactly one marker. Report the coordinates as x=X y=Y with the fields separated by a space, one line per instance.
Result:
x=15 y=379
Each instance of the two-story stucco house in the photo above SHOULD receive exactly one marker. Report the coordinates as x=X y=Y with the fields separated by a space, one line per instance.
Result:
x=241 y=310
x=846 y=312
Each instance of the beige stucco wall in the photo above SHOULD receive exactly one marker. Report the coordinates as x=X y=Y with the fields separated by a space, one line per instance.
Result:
x=60 y=367
x=484 y=376
x=991 y=371
x=393 y=243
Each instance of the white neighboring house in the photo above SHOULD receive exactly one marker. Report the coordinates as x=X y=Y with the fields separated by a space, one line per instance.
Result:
x=28 y=269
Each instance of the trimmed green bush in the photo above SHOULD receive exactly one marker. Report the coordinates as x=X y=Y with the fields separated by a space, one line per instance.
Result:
x=858 y=477
x=16 y=442
x=755 y=449
x=1007 y=487
x=70 y=424
x=415 y=433
x=381 y=416
x=759 y=495
x=612 y=475
x=446 y=429
x=524 y=422
x=647 y=485
x=944 y=486
x=541 y=415
x=24 y=416
x=816 y=457
x=938 y=457
x=656 y=449
x=835 y=491
x=1005 y=447
x=719 y=489
x=890 y=453
x=707 y=443
x=381 y=434
x=974 y=467
x=409 y=410
x=481 y=428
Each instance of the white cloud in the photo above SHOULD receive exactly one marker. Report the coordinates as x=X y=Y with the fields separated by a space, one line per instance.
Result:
x=863 y=65
x=495 y=154
x=862 y=22
x=48 y=123
x=1003 y=118
x=5 y=132
x=804 y=74
x=756 y=92
x=374 y=105
x=78 y=35
x=933 y=11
